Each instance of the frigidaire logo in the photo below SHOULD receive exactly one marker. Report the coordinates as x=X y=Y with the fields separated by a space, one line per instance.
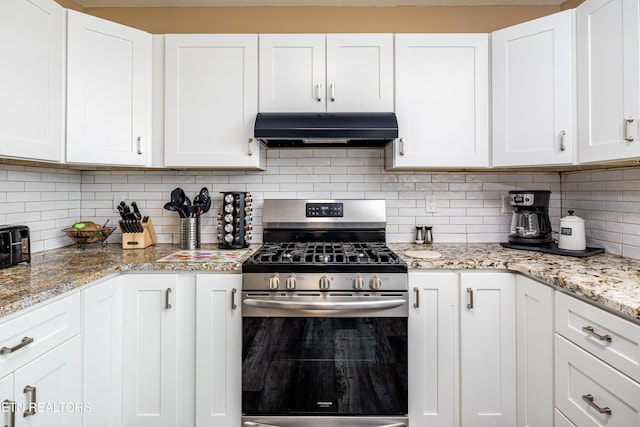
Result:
x=325 y=404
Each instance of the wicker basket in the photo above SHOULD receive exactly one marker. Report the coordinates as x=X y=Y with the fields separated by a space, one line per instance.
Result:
x=84 y=237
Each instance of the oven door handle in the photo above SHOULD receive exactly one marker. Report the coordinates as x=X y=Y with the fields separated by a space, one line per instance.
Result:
x=327 y=306
x=255 y=424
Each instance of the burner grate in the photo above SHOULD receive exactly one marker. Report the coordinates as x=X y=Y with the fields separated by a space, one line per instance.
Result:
x=314 y=253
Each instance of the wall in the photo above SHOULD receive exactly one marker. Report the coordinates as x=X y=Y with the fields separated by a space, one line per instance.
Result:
x=45 y=199
x=609 y=201
x=468 y=204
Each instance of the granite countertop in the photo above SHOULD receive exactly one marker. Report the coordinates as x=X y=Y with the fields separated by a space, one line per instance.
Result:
x=610 y=281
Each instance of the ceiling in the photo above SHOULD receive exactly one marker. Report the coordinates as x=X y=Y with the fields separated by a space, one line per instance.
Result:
x=213 y=3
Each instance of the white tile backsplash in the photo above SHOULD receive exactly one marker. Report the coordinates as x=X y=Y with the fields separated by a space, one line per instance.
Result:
x=609 y=202
x=468 y=204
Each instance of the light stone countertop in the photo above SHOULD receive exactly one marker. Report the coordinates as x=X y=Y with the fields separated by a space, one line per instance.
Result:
x=611 y=282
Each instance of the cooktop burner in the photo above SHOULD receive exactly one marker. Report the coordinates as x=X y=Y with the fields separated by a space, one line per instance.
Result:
x=325 y=253
x=298 y=255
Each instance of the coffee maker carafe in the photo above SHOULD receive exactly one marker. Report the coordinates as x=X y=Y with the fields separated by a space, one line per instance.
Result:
x=530 y=223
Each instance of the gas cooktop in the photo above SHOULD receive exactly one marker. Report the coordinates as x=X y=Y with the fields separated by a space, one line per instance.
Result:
x=324 y=256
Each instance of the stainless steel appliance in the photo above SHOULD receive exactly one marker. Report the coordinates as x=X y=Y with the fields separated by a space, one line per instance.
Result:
x=15 y=245
x=530 y=224
x=325 y=308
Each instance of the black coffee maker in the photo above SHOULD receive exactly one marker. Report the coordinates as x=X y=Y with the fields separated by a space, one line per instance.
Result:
x=530 y=224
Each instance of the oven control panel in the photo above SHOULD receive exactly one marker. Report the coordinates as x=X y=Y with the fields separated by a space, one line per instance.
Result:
x=325 y=210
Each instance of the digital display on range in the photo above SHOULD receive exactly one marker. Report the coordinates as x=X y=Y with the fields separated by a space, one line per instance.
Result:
x=325 y=210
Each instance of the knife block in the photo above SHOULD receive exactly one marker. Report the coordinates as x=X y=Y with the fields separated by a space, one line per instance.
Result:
x=140 y=240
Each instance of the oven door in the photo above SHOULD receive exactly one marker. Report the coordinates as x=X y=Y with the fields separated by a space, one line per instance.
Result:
x=311 y=355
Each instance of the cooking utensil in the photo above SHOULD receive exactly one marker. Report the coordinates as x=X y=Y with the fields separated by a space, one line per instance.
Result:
x=136 y=211
x=171 y=207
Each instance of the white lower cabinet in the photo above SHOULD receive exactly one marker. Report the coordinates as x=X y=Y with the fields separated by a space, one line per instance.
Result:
x=487 y=349
x=561 y=420
x=150 y=349
x=218 y=350
x=590 y=392
x=433 y=349
x=42 y=351
x=534 y=353
x=102 y=345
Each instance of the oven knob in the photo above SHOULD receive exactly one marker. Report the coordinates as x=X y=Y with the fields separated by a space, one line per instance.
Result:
x=291 y=282
x=358 y=282
x=375 y=283
x=324 y=283
x=274 y=282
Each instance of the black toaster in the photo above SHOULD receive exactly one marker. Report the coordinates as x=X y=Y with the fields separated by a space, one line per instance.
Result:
x=14 y=245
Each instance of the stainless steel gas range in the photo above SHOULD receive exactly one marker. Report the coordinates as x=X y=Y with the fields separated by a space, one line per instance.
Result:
x=325 y=308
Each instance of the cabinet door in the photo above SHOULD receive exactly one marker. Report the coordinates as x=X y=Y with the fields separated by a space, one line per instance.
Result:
x=608 y=52
x=32 y=79
x=359 y=72
x=211 y=100
x=533 y=92
x=433 y=349
x=488 y=349
x=108 y=92
x=218 y=350
x=52 y=385
x=102 y=335
x=442 y=104
x=7 y=410
x=292 y=73
x=149 y=392
x=534 y=352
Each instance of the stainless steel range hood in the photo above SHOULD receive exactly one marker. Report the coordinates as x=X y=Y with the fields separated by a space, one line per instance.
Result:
x=326 y=129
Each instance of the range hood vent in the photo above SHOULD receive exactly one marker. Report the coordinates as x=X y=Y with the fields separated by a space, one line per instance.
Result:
x=326 y=129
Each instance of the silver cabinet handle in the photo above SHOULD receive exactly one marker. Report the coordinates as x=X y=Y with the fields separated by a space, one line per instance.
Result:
x=233 y=299
x=401 y=144
x=139 y=145
x=417 y=292
x=470 y=293
x=589 y=399
x=333 y=92
x=32 y=403
x=627 y=122
x=25 y=342
x=10 y=407
x=319 y=92
x=562 y=135
x=167 y=305
x=589 y=330
x=249 y=147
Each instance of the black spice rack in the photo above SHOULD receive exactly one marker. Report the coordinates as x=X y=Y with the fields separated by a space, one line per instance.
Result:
x=234 y=222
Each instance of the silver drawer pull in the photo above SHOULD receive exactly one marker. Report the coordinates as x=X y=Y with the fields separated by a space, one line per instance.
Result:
x=31 y=408
x=417 y=303
x=25 y=342
x=593 y=333
x=233 y=299
x=589 y=399
x=470 y=303
x=167 y=304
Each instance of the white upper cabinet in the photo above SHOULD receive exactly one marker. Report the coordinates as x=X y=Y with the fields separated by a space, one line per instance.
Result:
x=332 y=73
x=211 y=101
x=442 y=101
x=108 y=92
x=533 y=92
x=32 y=79
x=608 y=52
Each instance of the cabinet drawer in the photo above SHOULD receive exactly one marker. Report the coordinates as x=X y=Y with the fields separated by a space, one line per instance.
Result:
x=48 y=326
x=609 y=337
x=581 y=377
